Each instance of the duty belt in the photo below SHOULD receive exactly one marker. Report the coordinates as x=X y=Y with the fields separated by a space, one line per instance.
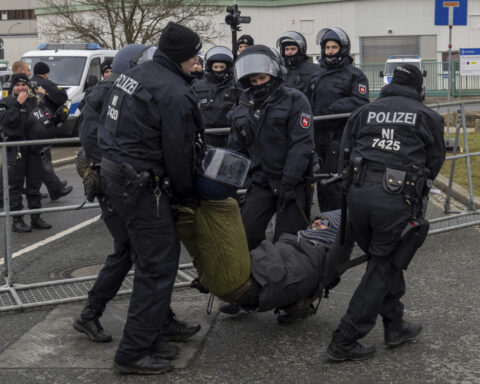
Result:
x=112 y=171
x=374 y=176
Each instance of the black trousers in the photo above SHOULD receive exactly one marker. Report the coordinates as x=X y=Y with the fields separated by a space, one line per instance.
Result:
x=377 y=220
x=117 y=264
x=329 y=196
x=49 y=177
x=157 y=251
x=260 y=206
x=24 y=166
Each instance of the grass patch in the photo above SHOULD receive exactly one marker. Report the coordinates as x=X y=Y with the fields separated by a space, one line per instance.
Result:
x=460 y=174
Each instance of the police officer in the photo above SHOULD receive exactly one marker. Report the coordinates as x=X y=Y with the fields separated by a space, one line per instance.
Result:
x=293 y=47
x=151 y=141
x=337 y=87
x=197 y=70
x=398 y=144
x=244 y=42
x=119 y=263
x=217 y=93
x=23 y=117
x=55 y=98
x=272 y=125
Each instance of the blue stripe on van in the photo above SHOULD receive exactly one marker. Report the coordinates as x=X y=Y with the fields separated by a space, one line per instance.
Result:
x=73 y=108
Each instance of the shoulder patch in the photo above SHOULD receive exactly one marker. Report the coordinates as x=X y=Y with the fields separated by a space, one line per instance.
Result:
x=362 y=88
x=305 y=120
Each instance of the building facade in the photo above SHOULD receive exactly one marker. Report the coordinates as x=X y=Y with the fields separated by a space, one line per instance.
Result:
x=18 y=28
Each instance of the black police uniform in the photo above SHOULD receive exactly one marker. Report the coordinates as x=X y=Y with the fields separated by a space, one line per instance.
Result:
x=151 y=123
x=55 y=97
x=119 y=263
x=334 y=90
x=215 y=99
x=278 y=138
x=19 y=122
x=396 y=131
x=299 y=75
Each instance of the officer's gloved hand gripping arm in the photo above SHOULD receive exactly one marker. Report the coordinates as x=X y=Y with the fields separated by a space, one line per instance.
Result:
x=348 y=139
x=236 y=142
x=179 y=130
x=357 y=97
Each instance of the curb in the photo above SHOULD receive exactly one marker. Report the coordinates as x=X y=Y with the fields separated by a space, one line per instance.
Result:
x=64 y=161
x=458 y=192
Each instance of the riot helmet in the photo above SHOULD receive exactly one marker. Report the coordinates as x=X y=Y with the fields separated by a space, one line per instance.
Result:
x=219 y=54
x=223 y=172
x=253 y=61
x=281 y=62
x=340 y=37
x=292 y=38
x=131 y=55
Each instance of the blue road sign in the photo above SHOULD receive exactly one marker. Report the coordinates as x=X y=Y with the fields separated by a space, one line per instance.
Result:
x=459 y=12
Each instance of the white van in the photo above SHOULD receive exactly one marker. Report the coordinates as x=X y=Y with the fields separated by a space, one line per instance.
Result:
x=395 y=60
x=73 y=67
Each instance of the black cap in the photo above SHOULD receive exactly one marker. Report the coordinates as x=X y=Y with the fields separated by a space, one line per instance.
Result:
x=179 y=43
x=41 y=68
x=106 y=64
x=245 y=39
x=408 y=74
x=17 y=78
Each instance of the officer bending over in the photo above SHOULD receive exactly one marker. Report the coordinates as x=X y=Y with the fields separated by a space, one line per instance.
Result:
x=272 y=125
x=152 y=135
x=397 y=148
x=217 y=93
x=337 y=87
x=293 y=47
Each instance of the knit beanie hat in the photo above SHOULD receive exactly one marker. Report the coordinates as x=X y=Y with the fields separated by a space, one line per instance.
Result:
x=41 y=68
x=324 y=237
x=18 y=78
x=179 y=43
x=245 y=39
x=106 y=64
x=408 y=74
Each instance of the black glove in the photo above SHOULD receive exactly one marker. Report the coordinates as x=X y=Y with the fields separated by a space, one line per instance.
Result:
x=286 y=195
x=326 y=111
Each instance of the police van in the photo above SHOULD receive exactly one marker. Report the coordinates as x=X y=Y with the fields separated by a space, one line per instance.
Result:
x=74 y=67
x=395 y=60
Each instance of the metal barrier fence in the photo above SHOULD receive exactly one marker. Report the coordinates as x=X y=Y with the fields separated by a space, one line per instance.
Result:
x=436 y=82
x=20 y=296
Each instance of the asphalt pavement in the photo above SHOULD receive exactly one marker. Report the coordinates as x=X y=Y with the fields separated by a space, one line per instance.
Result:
x=40 y=346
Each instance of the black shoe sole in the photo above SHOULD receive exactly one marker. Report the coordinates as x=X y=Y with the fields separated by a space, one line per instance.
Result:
x=21 y=231
x=80 y=328
x=287 y=318
x=335 y=357
x=141 y=371
x=400 y=340
x=38 y=227
x=179 y=338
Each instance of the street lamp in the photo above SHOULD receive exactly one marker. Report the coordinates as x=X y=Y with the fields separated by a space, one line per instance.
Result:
x=13 y=25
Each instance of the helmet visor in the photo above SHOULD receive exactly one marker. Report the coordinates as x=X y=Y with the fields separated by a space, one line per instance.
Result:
x=291 y=36
x=145 y=55
x=225 y=167
x=253 y=64
x=219 y=53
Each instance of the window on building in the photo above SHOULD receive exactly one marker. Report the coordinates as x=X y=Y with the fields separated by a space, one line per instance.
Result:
x=18 y=14
x=378 y=48
x=455 y=58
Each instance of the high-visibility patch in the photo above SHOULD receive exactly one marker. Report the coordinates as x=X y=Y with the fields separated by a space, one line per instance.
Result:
x=305 y=120
x=362 y=89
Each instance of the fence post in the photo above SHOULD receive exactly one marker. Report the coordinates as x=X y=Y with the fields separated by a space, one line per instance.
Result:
x=8 y=218
x=471 y=206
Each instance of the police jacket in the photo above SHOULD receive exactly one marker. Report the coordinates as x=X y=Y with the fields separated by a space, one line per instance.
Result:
x=336 y=90
x=277 y=137
x=215 y=99
x=54 y=96
x=28 y=121
x=151 y=121
x=298 y=77
x=396 y=131
x=91 y=108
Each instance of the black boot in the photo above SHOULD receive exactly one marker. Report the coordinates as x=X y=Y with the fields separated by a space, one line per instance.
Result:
x=340 y=349
x=63 y=192
x=396 y=334
x=19 y=225
x=177 y=330
x=89 y=323
x=165 y=350
x=38 y=223
x=147 y=365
